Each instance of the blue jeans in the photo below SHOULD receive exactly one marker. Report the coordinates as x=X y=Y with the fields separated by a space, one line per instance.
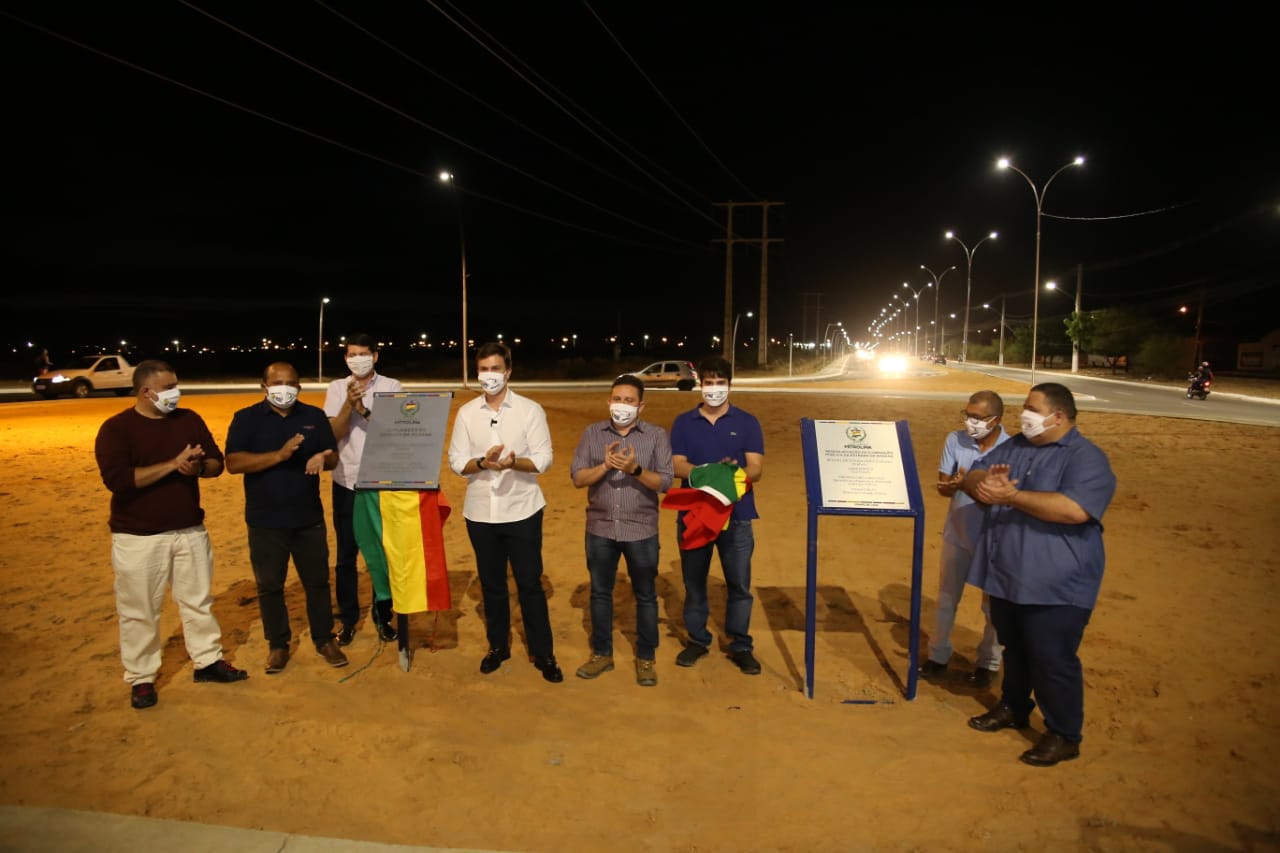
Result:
x=642 y=566
x=735 y=544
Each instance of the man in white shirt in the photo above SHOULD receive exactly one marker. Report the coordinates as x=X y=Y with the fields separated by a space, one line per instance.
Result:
x=501 y=443
x=348 y=403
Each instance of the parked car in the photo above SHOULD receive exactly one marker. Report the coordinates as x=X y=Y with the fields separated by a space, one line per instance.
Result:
x=670 y=374
x=84 y=376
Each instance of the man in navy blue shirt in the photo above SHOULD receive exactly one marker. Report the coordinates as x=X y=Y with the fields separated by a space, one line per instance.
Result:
x=716 y=431
x=281 y=446
x=1040 y=558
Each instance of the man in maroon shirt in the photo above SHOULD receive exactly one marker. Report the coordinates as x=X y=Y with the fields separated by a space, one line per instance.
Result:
x=151 y=457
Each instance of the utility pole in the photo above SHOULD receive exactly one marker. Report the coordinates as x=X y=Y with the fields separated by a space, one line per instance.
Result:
x=817 y=317
x=763 y=241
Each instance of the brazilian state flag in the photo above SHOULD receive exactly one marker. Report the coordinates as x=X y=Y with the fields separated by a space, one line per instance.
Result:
x=401 y=535
x=707 y=503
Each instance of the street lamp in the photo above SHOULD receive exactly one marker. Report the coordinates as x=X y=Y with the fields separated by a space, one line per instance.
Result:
x=826 y=333
x=1003 y=163
x=937 y=280
x=447 y=178
x=1075 y=345
x=733 y=343
x=320 y=347
x=916 y=294
x=968 y=287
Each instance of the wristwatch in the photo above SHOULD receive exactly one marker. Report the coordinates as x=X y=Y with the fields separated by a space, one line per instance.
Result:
x=480 y=463
x=637 y=472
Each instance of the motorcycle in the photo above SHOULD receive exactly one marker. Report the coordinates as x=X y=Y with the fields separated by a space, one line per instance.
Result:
x=1198 y=387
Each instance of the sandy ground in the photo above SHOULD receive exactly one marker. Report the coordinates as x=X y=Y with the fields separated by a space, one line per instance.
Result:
x=1182 y=708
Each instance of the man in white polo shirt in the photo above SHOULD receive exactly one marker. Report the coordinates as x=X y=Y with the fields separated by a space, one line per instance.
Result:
x=348 y=403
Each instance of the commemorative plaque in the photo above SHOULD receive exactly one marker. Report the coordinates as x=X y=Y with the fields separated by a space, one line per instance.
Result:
x=405 y=442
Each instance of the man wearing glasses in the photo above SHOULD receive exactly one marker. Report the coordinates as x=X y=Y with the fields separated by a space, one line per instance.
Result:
x=982 y=432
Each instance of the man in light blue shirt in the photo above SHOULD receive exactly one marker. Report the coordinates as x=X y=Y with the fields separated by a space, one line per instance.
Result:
x=982 y=432
x=1040 y=558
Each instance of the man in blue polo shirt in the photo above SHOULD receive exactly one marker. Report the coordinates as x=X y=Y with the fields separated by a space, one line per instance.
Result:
x=1040 y=558
x=281 y=446
x=717 y=431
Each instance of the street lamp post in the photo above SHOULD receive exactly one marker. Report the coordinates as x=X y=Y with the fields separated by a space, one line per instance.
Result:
x=968 y=287
x=733 y=341
x=320 y=346
x=942 y=331
x=447 y=178
x=937 y=292
x=1075 y=345
x=1003 y=163
x=915 y=349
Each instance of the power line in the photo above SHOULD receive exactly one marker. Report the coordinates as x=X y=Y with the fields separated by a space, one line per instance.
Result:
x=432 y=129
x=690 y=205
x=469 y=94
x=320 y=137
x=668 y=103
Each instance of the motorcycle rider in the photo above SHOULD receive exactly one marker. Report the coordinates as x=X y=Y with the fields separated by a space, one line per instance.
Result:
x=1201 y=378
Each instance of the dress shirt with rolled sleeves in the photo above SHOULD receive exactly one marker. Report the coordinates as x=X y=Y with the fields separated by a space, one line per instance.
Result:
x=518 y=424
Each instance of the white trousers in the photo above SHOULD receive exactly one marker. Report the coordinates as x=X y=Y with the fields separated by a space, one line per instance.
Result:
x=953 y=569
x=144 y=566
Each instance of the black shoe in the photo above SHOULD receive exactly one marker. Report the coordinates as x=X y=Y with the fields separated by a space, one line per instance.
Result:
x=746 y=662
x=493 y=659
x=549 y=668
x=981 y=677
x=143 y=695
x=383 y=618
x=691 y=653
x=999 y=717
x=221 y=672
x=932 y=669
x=1049 y=750
x=346 y=635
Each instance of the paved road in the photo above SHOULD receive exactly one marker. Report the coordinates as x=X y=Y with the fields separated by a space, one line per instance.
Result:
x=1092 y=393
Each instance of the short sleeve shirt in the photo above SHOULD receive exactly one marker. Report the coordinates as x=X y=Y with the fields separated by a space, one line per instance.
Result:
x=734 y=434
x=1028 y=561
x=284 y=495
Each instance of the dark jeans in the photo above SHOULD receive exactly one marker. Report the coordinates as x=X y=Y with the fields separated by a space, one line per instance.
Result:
x=1040 y=644
x=519 y=542
x=736 y=545
x=269 y=552
x=642 y=566
x=346 y=578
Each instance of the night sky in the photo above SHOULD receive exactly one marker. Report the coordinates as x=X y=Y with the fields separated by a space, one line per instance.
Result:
x=291 y=154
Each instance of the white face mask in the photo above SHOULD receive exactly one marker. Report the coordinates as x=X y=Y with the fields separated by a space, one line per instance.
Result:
x=360 y=365
x=166 y=401
x=623 y=414
x=1033 y=423
x=715 y=394
x=492 y=381
x=978 y=429
x=283 y=396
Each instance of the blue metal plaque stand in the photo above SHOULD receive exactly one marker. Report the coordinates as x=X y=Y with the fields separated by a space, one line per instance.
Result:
x=817 y=506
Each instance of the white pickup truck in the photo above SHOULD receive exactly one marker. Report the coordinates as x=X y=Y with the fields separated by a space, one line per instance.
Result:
x=85 y=375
